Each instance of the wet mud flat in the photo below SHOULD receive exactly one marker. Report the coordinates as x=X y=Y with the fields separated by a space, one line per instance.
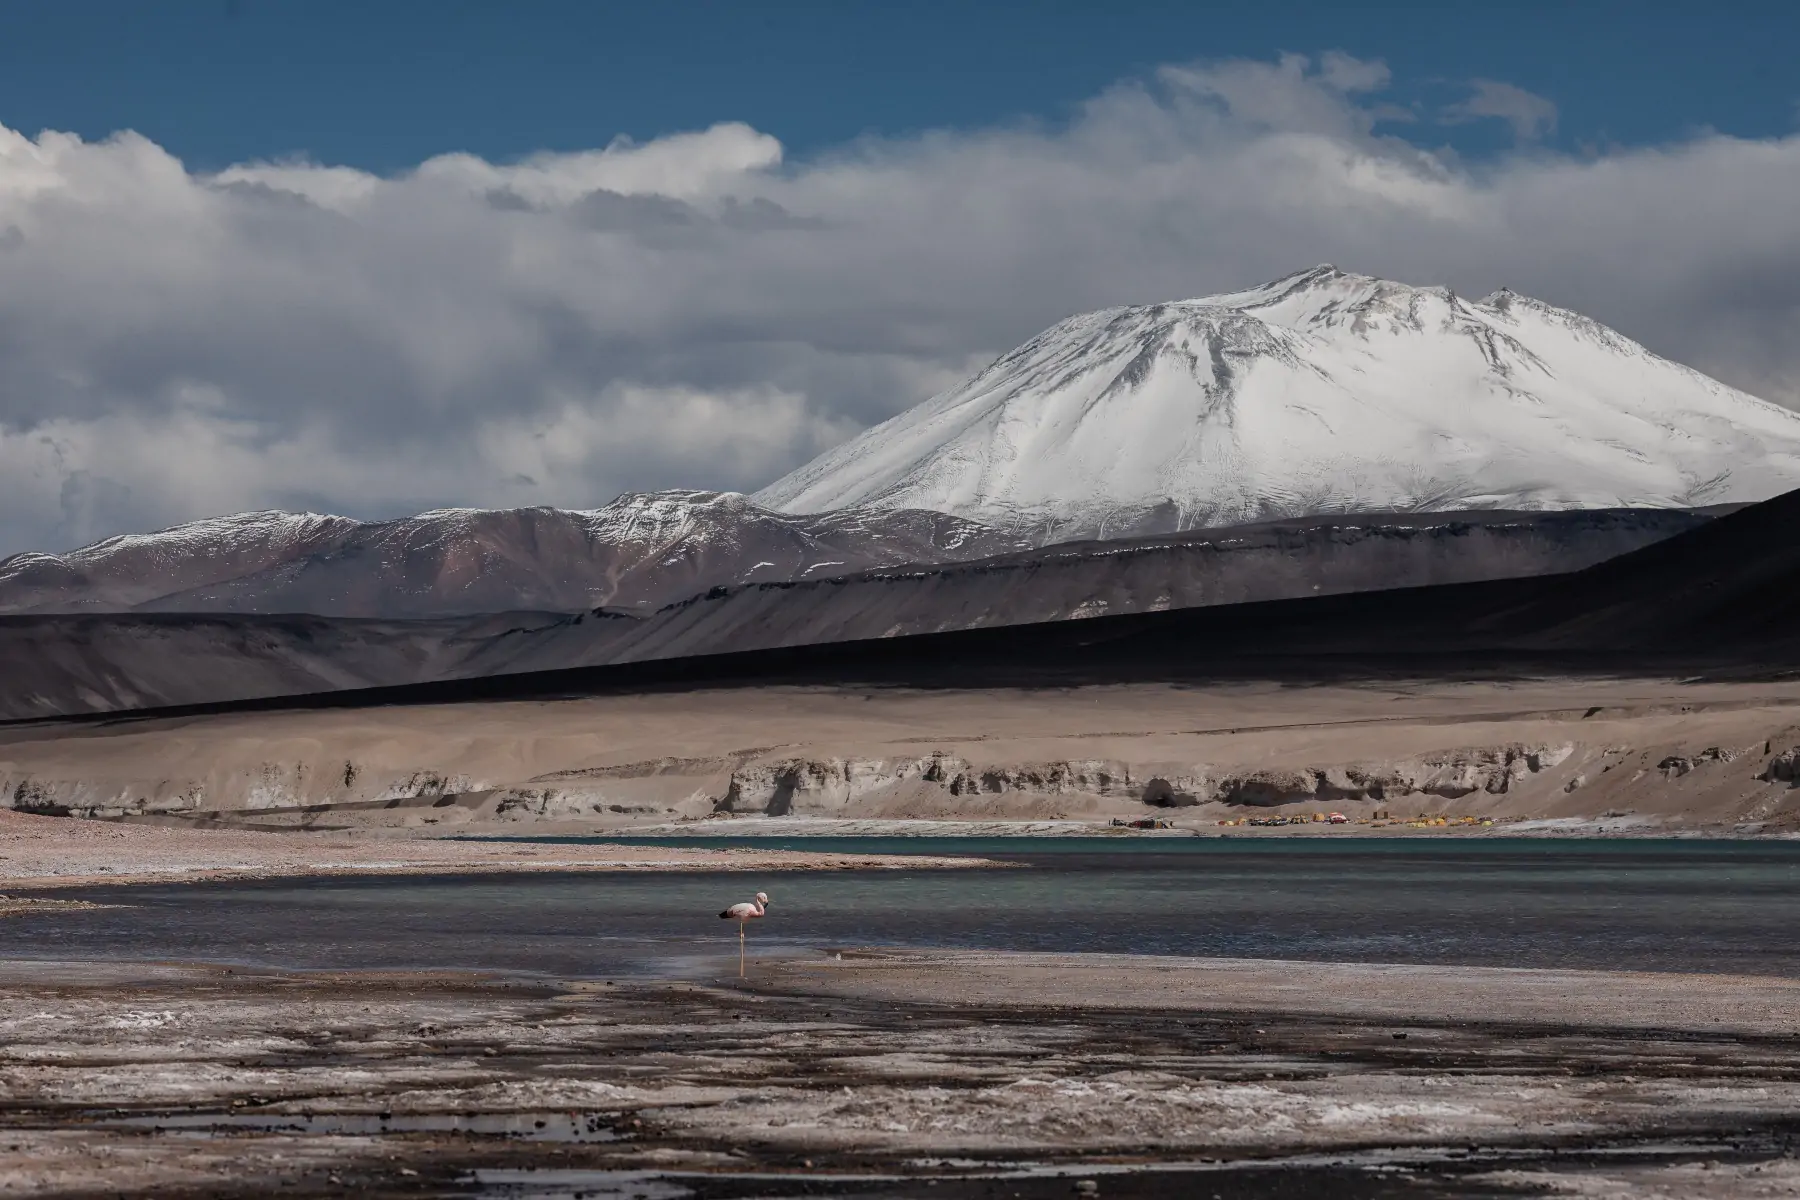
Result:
x=883 y=1076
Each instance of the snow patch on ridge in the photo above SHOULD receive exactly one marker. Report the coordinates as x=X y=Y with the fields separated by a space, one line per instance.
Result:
x=641 y=551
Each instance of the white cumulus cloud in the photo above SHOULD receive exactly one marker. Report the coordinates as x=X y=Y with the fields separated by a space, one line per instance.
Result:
x=703 y=310
x=1530 y=115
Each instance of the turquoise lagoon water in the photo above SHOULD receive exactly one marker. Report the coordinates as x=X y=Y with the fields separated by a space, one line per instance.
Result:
x=1684 y=905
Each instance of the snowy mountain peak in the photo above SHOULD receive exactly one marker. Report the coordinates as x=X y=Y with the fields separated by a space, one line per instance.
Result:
x=1322 y=391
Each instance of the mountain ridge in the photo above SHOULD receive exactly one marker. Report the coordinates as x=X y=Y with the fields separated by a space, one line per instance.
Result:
x=84 y=662
x=1607 y=620
x=640 y=551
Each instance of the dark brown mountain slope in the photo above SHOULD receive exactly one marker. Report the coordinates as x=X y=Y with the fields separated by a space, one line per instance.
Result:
x=1724 y=597
x=640 y=551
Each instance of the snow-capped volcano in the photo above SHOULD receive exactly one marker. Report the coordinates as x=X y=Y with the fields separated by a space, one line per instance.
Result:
x=1320 y=392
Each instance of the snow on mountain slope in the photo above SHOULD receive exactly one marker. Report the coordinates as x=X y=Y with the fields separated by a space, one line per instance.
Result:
x=641 y=550
x=119 y=573
x=1320 y=392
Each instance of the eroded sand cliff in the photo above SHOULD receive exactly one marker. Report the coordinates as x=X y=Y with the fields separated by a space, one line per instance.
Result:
x=1638 y=754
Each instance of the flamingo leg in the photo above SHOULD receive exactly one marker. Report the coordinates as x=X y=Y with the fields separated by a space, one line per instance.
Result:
x=740 y=949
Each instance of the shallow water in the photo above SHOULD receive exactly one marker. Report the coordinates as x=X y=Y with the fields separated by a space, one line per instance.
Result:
x=1647 y=905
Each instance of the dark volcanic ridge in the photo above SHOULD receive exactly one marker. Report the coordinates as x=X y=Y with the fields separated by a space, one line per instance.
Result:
x=1727 y=592
x=1276 y=560
x=1723 y=592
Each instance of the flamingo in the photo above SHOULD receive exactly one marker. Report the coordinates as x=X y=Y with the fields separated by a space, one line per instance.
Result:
x=742 y=914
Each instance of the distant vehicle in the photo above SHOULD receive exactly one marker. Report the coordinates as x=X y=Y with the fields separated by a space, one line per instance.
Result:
x=1337 y=819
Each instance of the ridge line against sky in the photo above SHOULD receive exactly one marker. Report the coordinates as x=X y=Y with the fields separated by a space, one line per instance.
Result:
x=705 y=309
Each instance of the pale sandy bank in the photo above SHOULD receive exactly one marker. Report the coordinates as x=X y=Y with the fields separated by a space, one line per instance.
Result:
x=1719 y=1004
x=41 y=852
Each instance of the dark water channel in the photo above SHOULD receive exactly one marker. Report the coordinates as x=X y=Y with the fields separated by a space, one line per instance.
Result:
x=1630 y=904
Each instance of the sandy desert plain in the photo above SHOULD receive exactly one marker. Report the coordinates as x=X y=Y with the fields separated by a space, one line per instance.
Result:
x=850 y=1067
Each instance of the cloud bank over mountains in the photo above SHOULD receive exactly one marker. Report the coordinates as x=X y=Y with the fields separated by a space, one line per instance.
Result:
x=698 y=311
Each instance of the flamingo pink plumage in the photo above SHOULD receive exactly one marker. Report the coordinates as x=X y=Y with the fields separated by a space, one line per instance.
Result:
x=743 y=914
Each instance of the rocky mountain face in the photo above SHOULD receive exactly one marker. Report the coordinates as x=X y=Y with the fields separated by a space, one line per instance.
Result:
x=1299 y=557
x=637 y=553
x=1321 y=392
x=85 y=663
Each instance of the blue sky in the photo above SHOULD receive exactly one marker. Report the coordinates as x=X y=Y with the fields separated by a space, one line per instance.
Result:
x=377 y=257
x=384 y=85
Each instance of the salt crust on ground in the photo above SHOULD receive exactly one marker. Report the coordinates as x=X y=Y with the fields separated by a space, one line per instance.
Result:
x=696 y=1070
